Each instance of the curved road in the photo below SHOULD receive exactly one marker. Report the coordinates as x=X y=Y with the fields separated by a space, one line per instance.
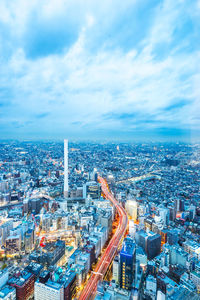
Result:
x=104 y=262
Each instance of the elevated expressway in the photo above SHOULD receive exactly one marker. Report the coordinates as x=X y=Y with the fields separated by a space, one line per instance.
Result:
x=91 y=285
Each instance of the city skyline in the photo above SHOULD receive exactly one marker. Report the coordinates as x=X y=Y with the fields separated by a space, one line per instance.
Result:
x=125 y=71
x=127 y=226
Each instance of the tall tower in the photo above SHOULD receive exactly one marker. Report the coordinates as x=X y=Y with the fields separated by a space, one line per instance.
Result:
x=66 y=185
x=127 y=264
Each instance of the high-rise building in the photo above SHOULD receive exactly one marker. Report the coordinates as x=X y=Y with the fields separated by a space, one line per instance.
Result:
x=179 y=205
x=24 y=284
x=172 y=213
x=116 y=269
x=69 y=285
x=164 y=214
x=150 y=243
x=51 y=253
x=35 y=205
x=172 y=236
x=140 y=238
x=50 y=290
x=160 y=295
x=7 y=293
x=66 y=185
x=13 y=244
x=3 y=277
x=132 y=209
x=132 y=228
x=153 y=245
x=29 y=240
x=127 y=264
x=195 y=277
x=106 y=220
x=93 y=189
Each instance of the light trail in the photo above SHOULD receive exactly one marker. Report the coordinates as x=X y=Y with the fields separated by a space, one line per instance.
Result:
x=107 y=257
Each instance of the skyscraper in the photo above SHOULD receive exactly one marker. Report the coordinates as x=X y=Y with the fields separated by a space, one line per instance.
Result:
x=66 y=185
x=150 y=243
x=93 y=189
x=132 y=209
x=179 y=205
x=127 y=264
x=116 y=269
x=153 y=245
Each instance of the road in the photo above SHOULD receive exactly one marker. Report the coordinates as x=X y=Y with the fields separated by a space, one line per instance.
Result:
x=140 y=178
x=107 y=257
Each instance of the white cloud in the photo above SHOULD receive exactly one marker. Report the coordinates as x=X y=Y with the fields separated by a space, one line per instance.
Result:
x=81 y=85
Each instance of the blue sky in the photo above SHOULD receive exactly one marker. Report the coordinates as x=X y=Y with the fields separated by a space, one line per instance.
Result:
x=87 y=69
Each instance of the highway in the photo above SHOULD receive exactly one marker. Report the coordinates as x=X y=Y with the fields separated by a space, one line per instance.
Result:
x=90 y=288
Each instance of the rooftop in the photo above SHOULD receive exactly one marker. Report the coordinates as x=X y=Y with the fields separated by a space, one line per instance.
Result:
x=128 y=247
x=53 y=285
x=5 y=290
x=19 y=279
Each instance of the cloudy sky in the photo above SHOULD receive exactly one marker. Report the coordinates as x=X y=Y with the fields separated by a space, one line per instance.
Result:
x=106 y=69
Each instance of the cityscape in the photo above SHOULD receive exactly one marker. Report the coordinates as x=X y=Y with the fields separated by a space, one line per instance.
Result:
x=99 y=221
x=99 y=150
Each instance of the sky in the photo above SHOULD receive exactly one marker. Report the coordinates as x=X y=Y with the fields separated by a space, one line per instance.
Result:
x=109 y=69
